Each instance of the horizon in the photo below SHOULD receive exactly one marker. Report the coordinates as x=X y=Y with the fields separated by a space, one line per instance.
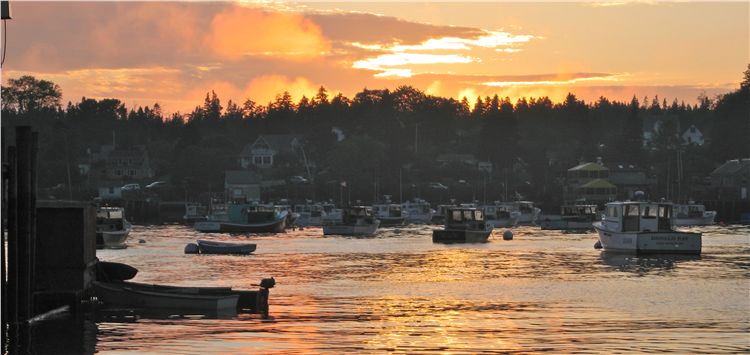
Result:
x=514 y=50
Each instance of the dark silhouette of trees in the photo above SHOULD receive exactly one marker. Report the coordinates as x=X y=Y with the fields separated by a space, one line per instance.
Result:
x=386 y=134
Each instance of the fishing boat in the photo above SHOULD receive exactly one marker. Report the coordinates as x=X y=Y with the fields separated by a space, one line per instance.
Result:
x=194 y=212
x=528 y=214
x=644 y=227
x=389 y=214
x=501 y=215
x=112 y=229
x=572 y=218
x=310 y=214
x=440 y=211
x=463 y=225
x=355 y=221
x=417 y=211
x=214 y=247
x=692 y=214
x=181 y=299
x=244 y=218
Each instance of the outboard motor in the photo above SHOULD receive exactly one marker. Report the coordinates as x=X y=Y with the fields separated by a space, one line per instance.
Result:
x=268 y=283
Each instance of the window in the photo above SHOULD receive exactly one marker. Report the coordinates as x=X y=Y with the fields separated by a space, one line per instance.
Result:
x=131 y=172
x=467 y=215
x=612 y=211
x=118 y=172
x=456 y=216
x=664 y=211
x=257 y=160
x=478 y=215
x=266 y=160
x=632 y=210
x=649 y=212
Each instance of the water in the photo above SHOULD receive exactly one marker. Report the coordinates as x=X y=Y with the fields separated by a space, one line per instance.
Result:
x=399 y=292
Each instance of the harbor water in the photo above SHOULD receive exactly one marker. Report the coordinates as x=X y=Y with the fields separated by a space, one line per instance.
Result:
x=543 y=291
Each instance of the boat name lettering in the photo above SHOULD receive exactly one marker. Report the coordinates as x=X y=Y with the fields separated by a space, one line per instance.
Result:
x=671 y=238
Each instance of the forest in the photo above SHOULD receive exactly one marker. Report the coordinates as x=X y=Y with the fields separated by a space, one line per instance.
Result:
x=392 y=139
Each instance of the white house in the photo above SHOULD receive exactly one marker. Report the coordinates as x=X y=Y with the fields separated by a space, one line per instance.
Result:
x=265 y=150
x=692 y=135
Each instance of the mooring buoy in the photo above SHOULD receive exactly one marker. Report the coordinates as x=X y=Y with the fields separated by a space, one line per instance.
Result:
x=507 y=235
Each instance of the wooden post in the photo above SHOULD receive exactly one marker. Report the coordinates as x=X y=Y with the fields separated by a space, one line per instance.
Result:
x=32 y=220
x=23 y=164
x=12 y=277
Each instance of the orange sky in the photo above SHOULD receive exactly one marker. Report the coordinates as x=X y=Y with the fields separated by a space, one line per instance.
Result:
x=174 y=52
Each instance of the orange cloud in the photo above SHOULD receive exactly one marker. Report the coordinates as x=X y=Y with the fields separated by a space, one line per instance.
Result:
x=265 y=88
x=238 y=31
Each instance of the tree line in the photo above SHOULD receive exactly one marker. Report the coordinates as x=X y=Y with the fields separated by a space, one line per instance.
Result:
x=393 y=138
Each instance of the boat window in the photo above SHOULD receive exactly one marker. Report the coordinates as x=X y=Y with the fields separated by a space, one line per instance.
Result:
x=456 y=215
x=478 y=215
x=468 y=215
x=649 y=212
x=632 y=210
x=664 y=211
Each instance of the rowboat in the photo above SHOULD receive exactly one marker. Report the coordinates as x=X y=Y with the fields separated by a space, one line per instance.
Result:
x=214 y=247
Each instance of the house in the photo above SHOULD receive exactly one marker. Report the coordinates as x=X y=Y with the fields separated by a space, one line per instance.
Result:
x=110 y=192
x=128 y=164
x=267 y=149
x=731 y=181
x=692 y=135
x=589 y=182
x=629 y=178
x=242 y=185
x=653 y=125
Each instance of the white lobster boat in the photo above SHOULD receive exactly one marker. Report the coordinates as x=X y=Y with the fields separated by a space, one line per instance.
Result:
x=692 y=214
x=501 y=215
x=644 y=227
x=418 y=211
x=355 y=221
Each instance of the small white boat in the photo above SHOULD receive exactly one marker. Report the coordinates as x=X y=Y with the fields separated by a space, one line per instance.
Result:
x=355 y=221
x=194 y=212
x=112 y=229
x=389 y=214
x=501 y=215
x=644 y=227
x=528 y=213
x=692 y=214
x=418 y=211
x=463 y=225
x=572 y=218
x=310 y=214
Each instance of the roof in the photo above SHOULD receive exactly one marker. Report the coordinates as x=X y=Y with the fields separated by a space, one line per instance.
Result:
x=598 y=184
x=734 y=166
x=588 y=167
x=240 y=177
x=279 y=142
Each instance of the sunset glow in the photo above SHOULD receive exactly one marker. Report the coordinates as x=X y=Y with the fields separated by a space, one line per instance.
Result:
x=255 y=51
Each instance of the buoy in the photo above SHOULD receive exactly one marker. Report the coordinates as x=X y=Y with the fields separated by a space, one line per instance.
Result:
x=191 y=248
x=141 y=241
x=598 y=244
x=507 y=235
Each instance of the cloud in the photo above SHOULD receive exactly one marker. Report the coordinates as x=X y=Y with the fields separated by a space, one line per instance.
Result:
x=239 y=31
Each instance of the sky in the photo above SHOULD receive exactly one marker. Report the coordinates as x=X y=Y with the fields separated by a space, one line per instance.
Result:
x=174 y=53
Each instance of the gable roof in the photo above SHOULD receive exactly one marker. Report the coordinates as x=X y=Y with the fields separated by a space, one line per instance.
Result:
x=281 y=143
x=598 y=184
x=734 y=166
x=588 y=167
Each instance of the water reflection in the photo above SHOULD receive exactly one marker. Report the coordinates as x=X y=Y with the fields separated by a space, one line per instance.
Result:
x=399 y=292
x=644 y=264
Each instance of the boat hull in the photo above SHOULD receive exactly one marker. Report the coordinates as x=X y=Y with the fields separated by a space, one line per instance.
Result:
x=561 y=224
x=419 y=218
x=211 y=247
x=649 y=242
x=461 y=236
x=121 y=295
x=229 y=227
x=503 y=222
x=351 y=230
x=707 y=219
x=112 y=239
x=391 y=221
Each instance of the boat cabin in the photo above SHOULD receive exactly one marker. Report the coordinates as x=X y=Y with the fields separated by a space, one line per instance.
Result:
x=387 y=210
x=689 y=211
x=110 y=218
x=498 y=210
x=639 y=216
x=310 y=210
x=575 y=211
x=350 y=215
x=524 y=207
x=464 y=218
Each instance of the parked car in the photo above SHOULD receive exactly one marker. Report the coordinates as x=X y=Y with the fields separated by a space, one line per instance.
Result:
x=130 y=187
x=157 y=184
